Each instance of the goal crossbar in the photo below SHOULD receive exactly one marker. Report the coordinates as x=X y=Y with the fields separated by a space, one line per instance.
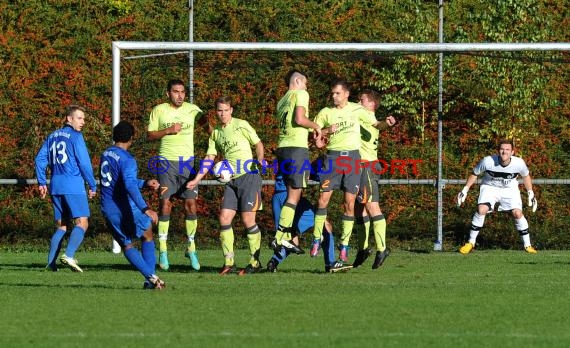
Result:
x=439 y=48
x=118 y=46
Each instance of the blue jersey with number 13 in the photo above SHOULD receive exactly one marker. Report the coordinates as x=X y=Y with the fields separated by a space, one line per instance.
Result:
x=64 y=152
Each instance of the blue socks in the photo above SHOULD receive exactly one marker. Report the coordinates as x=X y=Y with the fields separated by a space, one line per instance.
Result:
x=55 y=246
x=136 y=259
x=75 y=240
x=148 y=254
x=279 y=256
x=327 y=244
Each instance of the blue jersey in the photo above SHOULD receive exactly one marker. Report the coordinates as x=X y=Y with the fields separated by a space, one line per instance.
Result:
x=304 y=214
x=64 y=152
x=120 y=187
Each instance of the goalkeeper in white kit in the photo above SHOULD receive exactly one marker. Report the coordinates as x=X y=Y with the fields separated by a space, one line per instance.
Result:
x=500 y=185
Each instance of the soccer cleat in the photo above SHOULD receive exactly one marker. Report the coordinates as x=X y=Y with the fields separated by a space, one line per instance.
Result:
x=273 y=244
x=315 y=247
x=116 y=247
x=338 y=266
x=530 y=249
x=154 y=282
x=361 y=256
x=380 y=258
x=193 y=256
x=343 y=252
x=51 y=267
x=466 y=248
x=292 y=247
x=71 y=262
x=227 y=270
x=250 y=269
x=272 y=266
x=163 y=261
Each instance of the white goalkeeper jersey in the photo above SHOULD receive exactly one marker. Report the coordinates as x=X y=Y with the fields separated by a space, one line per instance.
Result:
x=498 y=176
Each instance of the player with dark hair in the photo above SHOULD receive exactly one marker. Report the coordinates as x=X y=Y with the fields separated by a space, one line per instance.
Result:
x=173 y=124
x=500 y=185
x=64 y=152
x=233 y=138
x=367 y=207
x=343 y=145
x=126 y=212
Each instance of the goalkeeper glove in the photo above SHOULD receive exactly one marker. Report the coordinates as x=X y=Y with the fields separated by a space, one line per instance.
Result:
x=532 y=202
x=461 y=196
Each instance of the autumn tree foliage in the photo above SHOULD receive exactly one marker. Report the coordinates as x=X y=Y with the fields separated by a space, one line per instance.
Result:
x=58 y=52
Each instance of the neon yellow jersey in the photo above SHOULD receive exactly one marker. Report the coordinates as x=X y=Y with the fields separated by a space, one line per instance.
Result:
x=347 y=135
x=290 y=133
x=368 y=136
x=176 y=145
x=234 y=141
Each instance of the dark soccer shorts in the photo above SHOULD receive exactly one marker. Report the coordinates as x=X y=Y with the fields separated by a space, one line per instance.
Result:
x=369 y=185
x=294 y=166
x=173 y=181
x=243 y=193
x=340 y=172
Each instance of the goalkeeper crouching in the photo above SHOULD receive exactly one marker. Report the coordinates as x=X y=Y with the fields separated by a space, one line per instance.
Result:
x=500 y=185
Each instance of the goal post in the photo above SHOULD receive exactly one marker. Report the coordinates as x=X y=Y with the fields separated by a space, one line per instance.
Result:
x=440 y=48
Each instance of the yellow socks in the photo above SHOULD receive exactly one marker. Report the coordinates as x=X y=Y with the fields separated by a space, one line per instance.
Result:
x=163 y=225
x=347 y=226
x=191 y=225
x=320 y=218
x=254 y=239
x=362 y=230
x=379 y=227
x=227 y=240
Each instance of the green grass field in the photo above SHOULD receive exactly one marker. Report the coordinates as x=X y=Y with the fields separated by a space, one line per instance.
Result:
x=486 y=299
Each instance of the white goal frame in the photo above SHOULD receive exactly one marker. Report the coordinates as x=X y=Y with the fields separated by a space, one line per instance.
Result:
x=119 y=46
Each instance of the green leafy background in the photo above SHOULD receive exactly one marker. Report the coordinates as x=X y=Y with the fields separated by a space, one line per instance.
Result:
x=56 y=52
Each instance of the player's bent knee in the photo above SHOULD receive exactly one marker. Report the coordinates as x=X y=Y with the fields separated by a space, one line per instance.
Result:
x=82 y=222
x=165 y=206
x=517 y=213
x=485 y=207
x=147 y=235
x=191 y=206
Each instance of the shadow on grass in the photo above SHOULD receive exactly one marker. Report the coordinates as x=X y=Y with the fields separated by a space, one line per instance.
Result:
x=216 y=270
x=102 y=267
x=542 y=263
x=75 y=286
x=42 y=267
x=419 y=251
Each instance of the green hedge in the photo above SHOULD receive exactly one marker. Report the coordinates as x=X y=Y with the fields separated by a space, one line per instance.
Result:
x=64 y=56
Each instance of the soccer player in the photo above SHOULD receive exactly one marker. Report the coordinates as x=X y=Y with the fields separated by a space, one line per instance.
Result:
x=339 y=170
x=64 y=152
x=125 y=210
x=367 y=205
x=302 y=222
x=233 y=138
x=500 y=185
x=173 y=124
x=293 y=152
